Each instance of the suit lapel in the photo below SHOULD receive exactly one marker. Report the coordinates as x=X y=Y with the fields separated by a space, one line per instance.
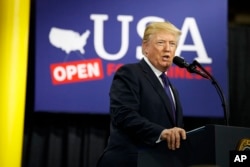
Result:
x=152 y=78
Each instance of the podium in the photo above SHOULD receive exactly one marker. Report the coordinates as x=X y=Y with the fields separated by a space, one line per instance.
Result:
x=208 y=145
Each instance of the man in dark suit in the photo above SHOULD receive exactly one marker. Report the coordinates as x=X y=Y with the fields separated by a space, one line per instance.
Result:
x=142 y=116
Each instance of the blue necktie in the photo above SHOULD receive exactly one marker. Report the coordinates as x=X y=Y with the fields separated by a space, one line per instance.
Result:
x=167 y=89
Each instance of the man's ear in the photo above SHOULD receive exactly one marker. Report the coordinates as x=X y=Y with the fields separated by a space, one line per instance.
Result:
x=144 y=48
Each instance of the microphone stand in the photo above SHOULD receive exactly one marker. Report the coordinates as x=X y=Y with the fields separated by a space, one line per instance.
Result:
x=207 y=75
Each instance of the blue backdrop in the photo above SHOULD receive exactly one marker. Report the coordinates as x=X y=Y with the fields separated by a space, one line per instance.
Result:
x=79 y=44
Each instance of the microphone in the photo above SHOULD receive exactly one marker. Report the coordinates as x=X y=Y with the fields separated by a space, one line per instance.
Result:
x=179 y=61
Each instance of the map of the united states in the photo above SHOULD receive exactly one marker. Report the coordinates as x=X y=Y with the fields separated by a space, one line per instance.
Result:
x=68 y=40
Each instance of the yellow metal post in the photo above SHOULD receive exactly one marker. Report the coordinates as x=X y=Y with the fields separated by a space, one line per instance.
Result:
x=14 y=30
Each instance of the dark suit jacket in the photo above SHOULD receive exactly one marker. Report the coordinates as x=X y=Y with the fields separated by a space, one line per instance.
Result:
x=140 y=110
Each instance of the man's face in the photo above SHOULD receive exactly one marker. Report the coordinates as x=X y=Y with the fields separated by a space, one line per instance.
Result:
x=160 y=50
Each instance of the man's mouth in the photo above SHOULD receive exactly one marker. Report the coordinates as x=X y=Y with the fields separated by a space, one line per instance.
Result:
x=165 y=57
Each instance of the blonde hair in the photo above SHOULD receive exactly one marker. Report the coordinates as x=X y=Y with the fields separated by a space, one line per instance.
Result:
x=161 y=26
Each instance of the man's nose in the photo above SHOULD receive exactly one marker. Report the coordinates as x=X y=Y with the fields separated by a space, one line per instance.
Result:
x=166 y=47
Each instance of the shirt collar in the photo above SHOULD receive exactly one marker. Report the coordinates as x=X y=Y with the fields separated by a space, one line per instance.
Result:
x=155 y=70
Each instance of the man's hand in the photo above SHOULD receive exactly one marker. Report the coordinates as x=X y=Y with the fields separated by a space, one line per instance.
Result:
x=173 y=137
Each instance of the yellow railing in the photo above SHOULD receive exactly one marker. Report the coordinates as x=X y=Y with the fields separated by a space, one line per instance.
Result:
x=14 y=32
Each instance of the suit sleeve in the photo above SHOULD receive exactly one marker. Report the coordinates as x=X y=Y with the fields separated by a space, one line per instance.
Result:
x=125 y=107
